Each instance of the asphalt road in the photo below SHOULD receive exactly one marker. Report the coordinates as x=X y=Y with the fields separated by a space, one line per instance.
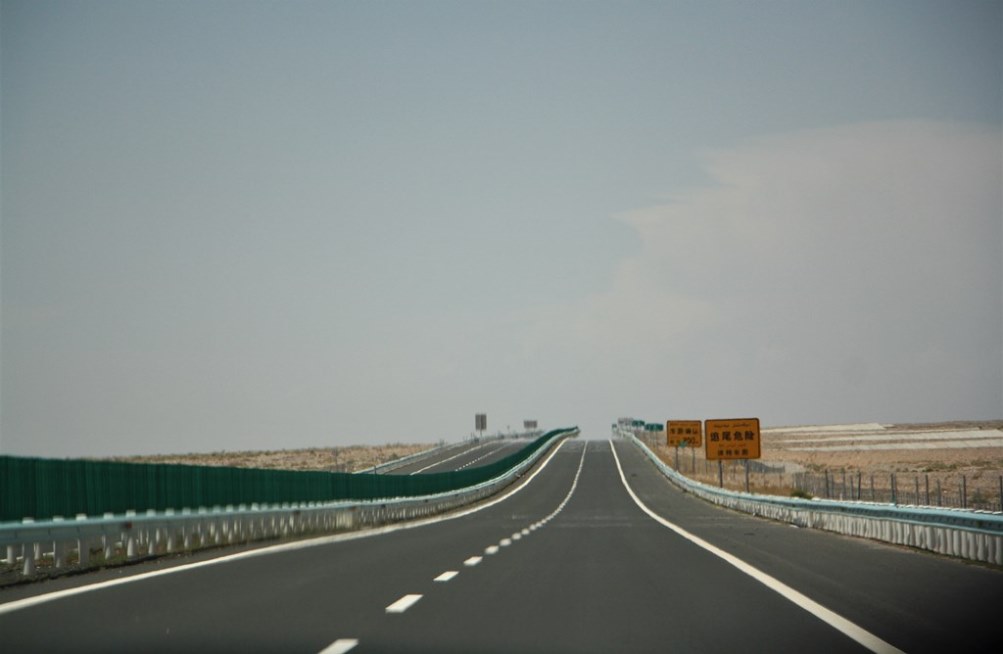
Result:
x=462 y=456
x=568 y=563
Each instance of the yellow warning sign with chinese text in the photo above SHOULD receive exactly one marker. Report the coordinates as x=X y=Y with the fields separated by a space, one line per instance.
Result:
x=732 y=439
x=684 y=433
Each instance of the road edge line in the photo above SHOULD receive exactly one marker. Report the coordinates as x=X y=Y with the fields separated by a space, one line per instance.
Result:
x=27 y=602
x=833 y=619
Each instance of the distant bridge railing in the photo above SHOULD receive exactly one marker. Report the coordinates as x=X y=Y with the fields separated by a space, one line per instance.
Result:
x=974 y=535
x=88 y=540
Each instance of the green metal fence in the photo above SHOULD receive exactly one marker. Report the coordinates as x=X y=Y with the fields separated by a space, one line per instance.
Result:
x=45 y=488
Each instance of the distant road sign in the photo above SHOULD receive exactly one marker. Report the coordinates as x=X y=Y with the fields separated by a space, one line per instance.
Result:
x=684 y=433
x=480 y=421
x=732 y=439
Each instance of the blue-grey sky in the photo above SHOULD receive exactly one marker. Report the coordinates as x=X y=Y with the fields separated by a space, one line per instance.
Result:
x=264 y=225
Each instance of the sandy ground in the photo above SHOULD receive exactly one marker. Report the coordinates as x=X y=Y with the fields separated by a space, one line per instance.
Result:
x=332 y=459
x=941 y=460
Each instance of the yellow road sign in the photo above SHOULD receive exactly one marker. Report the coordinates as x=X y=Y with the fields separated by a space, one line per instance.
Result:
x=684 y=433
x=732 y=439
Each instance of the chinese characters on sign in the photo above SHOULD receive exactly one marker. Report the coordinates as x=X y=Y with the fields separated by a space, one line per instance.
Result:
x=685 y=433
x=732 y=439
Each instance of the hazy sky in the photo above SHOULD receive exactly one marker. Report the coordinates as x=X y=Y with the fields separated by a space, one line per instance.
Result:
x=264 y=225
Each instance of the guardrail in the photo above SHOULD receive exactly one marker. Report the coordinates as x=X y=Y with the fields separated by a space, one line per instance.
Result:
x=45 y=488
x=389 y=466
x=131 y=536
x=404 y=460
x=973 y=535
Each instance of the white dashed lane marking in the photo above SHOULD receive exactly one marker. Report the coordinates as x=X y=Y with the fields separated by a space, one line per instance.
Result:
x=340 y=646
x=506 y=542
x=403 y=604
x=344 y=645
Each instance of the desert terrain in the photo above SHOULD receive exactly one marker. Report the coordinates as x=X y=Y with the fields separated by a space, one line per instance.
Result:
x=939 y=464
x=942 y=464
x=350 y=458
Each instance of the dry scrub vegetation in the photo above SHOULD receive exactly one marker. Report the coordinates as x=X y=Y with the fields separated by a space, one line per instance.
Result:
x=350 y=458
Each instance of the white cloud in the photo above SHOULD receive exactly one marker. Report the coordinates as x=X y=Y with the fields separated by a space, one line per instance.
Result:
x=851 y=273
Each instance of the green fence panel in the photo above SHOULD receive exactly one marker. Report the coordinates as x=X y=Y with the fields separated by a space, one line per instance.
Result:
x=45 y=488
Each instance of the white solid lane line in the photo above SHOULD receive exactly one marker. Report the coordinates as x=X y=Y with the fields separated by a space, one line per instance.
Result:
x=403 y=604
x=340 y=646
x=456 y=456
x=859 y=634
x=27 y=602
x=446 y=576
x=472 y=561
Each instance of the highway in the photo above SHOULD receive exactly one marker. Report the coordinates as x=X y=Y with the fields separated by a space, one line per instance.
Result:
x=568 y=561
x=462 y=456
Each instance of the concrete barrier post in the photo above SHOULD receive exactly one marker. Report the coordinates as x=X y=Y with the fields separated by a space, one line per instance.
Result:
x=29 y=560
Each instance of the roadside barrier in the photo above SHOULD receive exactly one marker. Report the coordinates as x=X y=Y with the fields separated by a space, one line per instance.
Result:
x=131 y=535
x=973 y=535
x=45 y=488
x=389 y=466
x=404 y=460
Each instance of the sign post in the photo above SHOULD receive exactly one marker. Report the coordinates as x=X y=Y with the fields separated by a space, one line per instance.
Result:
x=684 y=433
x=732 y=439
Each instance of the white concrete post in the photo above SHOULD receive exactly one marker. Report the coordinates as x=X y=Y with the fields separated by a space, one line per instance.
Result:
x=29 y=560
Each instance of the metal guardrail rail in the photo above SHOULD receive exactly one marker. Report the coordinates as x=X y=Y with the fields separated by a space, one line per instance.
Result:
x=404 y=460
x=27 y=543
x=389 y=466
x=966 y=534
